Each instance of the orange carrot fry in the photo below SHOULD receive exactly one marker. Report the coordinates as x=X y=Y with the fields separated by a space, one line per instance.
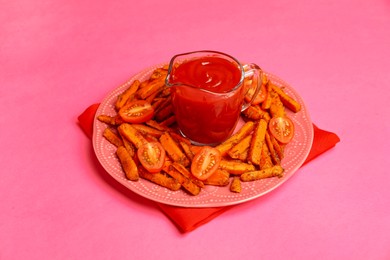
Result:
x=164 y=113
x=160 y=179
x=151 y=87
x=275 y=171
x=183 y=170
x=257 y=142
x=185 y=182
x=234 y=139
x=271 y=148
x=279 y=149
x=267 y=102
x=173 y=150
x=112 y=137
x=277 y=108
x=128 y=164
x=288 y=101
x=236 y=167
x=158 y=73
x=240 y=148
x=110 y=120
x=235 y=186
x=265 y=159
x=147 y=130
x=169 y=121
x=156 y=125
x=122 y=98
x=132 y=134
x=255 y=112
x=219 y=178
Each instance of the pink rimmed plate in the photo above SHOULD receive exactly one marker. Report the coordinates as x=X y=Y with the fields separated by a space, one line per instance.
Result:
x=211 y=196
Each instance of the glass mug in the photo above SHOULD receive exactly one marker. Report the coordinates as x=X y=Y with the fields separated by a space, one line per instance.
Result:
x=208 y=94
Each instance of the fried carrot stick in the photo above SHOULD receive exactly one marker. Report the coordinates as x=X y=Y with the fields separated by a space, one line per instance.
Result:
x=273 y=153
x=128 y=164
x=275 y=171
x=173 y=150
x=255 y=112
x=277 y=108
x=187 y=184
x=236 y=151
x=150 y=88
x=147 y=130
x=257 y=142
x=122 y=98
x=236 y=167
x=265 y=159
x=183 y=170
x=287 y=100
x=219 y=178
x=237 y=137
x=132 y=134
x=112 y=137
x=110 y=120
x=235 y=186
x=160 y=179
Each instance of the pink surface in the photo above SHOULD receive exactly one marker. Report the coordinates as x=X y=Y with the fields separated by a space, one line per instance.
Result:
x=58 y=58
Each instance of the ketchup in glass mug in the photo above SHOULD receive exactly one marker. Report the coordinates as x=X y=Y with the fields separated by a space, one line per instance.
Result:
x=208 y=94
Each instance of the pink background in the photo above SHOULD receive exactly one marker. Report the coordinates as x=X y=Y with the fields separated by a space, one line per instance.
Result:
x=58 y=57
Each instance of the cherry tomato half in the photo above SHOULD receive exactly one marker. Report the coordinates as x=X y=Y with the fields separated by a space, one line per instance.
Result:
x=260 y=96
x=282 y=128
x=138 y=111
x=205 y=162
x=152 y=156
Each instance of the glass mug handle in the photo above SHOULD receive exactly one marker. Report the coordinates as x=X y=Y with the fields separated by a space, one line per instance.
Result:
x=254 y=71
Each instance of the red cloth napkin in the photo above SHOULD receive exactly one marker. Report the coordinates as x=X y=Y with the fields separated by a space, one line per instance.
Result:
x=188 y=219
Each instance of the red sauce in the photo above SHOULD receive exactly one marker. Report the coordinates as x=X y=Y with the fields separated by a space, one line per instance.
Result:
x=202 y=116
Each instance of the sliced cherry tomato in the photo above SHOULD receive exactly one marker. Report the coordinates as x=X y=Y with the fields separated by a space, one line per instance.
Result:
x=138 y=111
x=152 y=156
x=260 y=96
x=205 y=162
x=282 y=128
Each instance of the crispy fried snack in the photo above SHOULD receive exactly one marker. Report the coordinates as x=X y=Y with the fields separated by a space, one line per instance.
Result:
x=110 y=120
x=255 y=112
x=160 y=179
x=151 y=87
x=237 y=137
x=275 y=171
x=112 y=137
x=272 y=151
x=147 y=130
x=132 y=134
x=128 y=164
x=257 y=142
x=235 y=186
x=265 y=159
x=268 y=100
x=236 y=167
x=183 y=170
x=187 y=184
x=164 y=113
x=288 y=101
x=173 y=150
x=127 y=94
x=219 y=178
x=240 y=148
x=277 y=108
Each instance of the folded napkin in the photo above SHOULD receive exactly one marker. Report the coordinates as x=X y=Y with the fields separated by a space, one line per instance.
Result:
x=188 y=219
